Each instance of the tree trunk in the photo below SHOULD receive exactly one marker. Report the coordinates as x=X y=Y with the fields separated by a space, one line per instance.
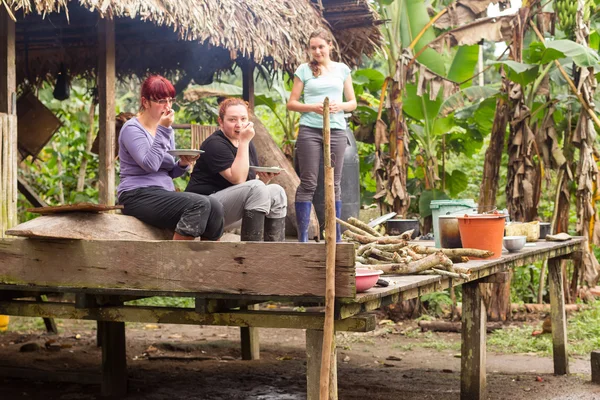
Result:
x=491 y=167
x=269 y=154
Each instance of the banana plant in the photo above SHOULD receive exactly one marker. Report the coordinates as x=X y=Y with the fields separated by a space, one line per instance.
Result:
x=410 y=31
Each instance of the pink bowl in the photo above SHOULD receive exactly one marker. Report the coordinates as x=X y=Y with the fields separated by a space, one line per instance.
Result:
x=366 y=278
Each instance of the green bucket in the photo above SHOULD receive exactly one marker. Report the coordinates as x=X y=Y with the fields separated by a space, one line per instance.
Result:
x=449 y=207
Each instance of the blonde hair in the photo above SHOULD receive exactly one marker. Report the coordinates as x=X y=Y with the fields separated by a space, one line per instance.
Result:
x=324 y=34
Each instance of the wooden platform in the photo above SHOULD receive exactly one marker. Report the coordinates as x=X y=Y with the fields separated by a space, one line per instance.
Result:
x=222 y=276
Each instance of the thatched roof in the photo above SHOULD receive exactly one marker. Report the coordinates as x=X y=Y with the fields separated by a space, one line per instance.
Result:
x=198 y=36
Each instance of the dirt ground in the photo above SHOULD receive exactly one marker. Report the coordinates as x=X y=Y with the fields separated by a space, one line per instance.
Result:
x=379 y=365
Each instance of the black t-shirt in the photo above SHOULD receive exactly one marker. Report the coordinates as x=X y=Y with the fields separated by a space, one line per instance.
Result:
x=219 y=154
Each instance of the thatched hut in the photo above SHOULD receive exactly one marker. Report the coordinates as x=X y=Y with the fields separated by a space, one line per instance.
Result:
x=198 y=38
x=118 y=38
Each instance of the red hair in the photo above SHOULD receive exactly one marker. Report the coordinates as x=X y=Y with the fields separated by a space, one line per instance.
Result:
x=156 y=87
x=229 y=102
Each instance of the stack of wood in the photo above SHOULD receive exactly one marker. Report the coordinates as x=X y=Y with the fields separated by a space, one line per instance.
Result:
x=394 y=255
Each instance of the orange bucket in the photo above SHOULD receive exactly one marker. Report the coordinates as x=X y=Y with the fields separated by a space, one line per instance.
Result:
x=482 y=231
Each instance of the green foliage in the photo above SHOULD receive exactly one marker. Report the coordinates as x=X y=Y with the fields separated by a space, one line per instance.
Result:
x=583 y=335
x=368 y=186
x=181 y=302
x=437 y=304
x=54 y=173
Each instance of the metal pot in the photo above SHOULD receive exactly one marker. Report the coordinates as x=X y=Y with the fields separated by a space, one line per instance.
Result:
x=449 y=233
x=544 y=229
x=399 y=226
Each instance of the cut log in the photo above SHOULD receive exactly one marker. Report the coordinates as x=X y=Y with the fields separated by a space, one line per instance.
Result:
x=415 y=267
x=90 y=226
x=447 y=326
x=453 y=252
x=270 y=155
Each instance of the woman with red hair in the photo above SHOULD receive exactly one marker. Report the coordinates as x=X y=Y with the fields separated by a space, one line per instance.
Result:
x=146 y=189
x=224 y=173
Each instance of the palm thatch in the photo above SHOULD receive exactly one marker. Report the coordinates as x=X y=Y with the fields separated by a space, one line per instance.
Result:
x=198 y=37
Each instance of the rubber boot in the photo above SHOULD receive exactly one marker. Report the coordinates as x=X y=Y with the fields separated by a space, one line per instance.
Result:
x=275 y=229
x=253 y=226
x=303 y=219
x=338 y=214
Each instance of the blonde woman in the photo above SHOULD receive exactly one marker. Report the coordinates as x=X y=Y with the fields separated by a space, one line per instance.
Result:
x=320 y=78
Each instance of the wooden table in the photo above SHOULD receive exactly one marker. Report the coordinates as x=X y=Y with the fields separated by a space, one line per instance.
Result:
x=103 y=276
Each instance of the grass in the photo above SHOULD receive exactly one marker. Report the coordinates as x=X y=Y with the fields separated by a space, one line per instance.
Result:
x=583 y=334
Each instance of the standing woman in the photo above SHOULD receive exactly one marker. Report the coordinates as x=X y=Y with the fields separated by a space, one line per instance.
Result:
x=318 y=79
x=146 y=189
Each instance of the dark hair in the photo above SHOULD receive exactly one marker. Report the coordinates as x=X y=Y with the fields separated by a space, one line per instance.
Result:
x=156 y=87
x=324 y=34
x=229 y=102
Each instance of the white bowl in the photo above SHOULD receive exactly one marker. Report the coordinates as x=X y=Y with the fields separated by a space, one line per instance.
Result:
x=514 y=243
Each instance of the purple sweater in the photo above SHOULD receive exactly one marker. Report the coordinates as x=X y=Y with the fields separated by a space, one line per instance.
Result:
x=144 y=158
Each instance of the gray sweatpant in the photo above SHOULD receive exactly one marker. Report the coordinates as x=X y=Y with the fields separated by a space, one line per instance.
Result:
x=251 y=195
x=309 y=149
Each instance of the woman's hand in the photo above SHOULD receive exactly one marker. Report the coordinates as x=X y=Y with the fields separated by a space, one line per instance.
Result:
x=167 y=118
x=184 y=161
x=247 y=132
x=334 y=107
x=266 y=176
x=318 y=108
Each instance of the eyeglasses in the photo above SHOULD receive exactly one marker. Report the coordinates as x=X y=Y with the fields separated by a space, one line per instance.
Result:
x=162 y=102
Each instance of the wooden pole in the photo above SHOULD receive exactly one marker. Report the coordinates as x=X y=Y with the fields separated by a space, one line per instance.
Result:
x=8 y=122
x=558 y=317
x=8 y=69
x=330 y=242
x=248 y=82
x=107 y=117
x=474 y=319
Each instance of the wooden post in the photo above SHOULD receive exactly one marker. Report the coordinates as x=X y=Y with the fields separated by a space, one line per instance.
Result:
x=8 y=73
x=250 y=340
x=114 y=360
x=314 y=347
x=107 y=117
x=472 y=371
x=330 y=242
x=248 y=82
x=595 y=359
x=8 y=123
x=558 y=317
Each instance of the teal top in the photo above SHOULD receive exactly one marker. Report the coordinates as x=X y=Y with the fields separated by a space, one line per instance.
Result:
x=317 y=88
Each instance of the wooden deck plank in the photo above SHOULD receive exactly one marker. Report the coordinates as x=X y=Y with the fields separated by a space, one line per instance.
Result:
x=287 y=269
x=171 y=315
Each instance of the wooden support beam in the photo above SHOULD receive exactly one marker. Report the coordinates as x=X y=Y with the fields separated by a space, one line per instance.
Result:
x=250 y=340
x=171 y=315
x=595 y=359
x=114 y=360
x=558 y=317
x=473 y=374
x=500 y=277
x=8 y=68
x=248 y=82
x=107 y=117
x=30 y=194
x=48 y=322
x=293 y=269
x=314 y=351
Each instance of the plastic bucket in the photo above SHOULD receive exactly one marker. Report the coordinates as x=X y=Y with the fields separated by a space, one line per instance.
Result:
x=449 y=207
x=449 y=233
x=482 y=231
x=4 y=322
